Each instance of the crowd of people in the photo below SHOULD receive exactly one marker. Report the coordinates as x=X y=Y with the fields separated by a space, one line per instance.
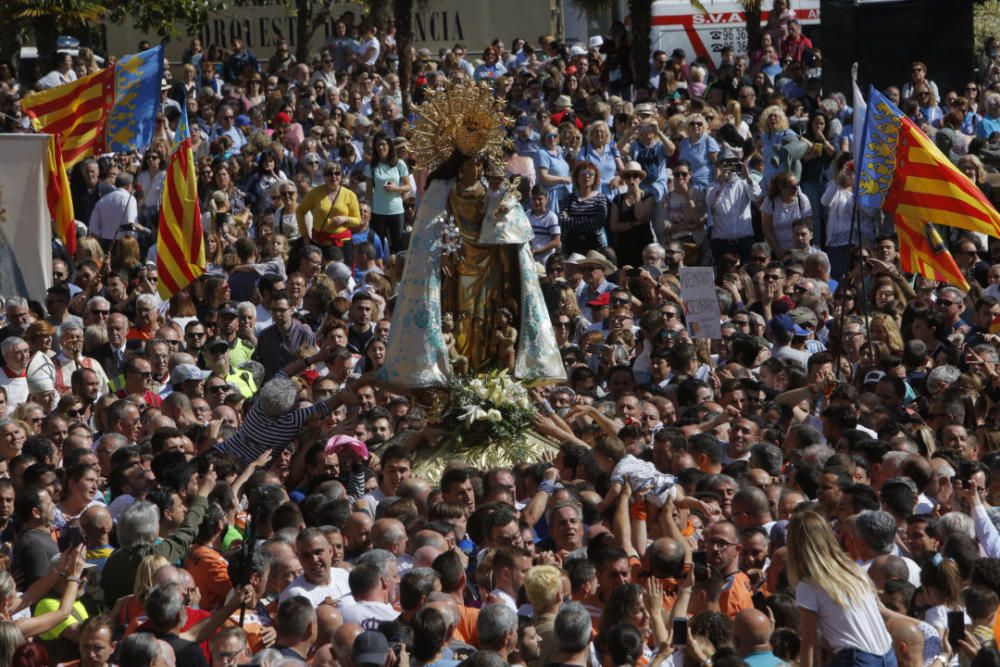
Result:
x=223 y=478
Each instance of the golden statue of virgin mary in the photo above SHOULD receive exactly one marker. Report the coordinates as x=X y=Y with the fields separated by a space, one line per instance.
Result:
x=469 y=254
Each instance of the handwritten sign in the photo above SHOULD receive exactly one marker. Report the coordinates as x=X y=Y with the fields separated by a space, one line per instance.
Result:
x=701 y=303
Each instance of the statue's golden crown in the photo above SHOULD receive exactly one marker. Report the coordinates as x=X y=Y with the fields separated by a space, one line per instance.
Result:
x=466 y=117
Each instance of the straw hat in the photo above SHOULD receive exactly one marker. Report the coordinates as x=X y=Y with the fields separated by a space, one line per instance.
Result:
x=633 y=167
x=594 y=258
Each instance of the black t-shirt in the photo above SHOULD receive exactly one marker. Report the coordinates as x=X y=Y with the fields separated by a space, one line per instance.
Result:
x=188 y=653
x=357 y=340
x=33 y=553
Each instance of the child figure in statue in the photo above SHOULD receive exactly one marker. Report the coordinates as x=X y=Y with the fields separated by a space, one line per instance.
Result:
x=506 y=337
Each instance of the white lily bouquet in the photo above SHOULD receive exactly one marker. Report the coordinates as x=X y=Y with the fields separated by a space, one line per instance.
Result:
x=488 y=406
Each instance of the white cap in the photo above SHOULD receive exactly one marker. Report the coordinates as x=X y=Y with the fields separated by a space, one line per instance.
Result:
x=41 y=374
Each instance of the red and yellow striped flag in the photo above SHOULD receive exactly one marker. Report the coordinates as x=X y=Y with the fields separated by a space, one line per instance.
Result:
x=180 y=248
x=58 y=195
x=76 y=111
x=922 y=251
x=903 y=172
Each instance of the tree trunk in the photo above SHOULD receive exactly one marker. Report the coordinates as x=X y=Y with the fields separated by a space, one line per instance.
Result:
x=303 y=29
x=379 y=13
x=403 y=10
x=642 y=20
x=46 y=35
x=751 y=9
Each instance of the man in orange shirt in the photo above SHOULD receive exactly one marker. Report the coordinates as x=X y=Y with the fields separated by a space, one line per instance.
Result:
x=723 y=547
x=206 y=565
x=452 y=573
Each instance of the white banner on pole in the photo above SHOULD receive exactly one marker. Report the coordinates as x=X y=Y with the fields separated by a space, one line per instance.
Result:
x=701 y=303
x=25 y=222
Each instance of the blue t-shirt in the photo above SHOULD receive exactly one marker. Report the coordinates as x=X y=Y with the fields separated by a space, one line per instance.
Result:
x=696 y=154
x=605 y=161
x=556 y=165
x=387 y=203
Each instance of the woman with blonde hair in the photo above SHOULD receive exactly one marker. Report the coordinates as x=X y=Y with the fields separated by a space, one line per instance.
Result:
x=885 y=330
x=835 y=597
x=774 y=131
x=132 y=606
x=570 y=139
x=699 y=150
x=126 y=255
x=89 y=248
x=602 y=152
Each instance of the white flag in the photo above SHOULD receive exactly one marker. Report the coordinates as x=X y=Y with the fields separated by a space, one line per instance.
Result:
x=25 y=222
x=858 y=123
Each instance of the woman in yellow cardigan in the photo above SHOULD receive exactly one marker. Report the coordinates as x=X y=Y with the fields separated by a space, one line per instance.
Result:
x=335 y=212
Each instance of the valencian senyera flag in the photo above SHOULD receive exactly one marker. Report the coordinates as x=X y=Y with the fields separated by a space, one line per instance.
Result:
x=921 y=250
x=58 y=196
x=904 y=173
x=113 y=110
x=180 y=249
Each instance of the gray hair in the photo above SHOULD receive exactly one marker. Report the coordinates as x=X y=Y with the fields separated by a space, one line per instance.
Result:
x=146 y=300
x=660 y=251
x=16 y=302
x=138 y=524
x=558 y=506
x=98 y=301
x=817 y=454
x=246 y=306
x=139 y=649
x=573 y=627
x=495 y=622
x=164 y=606
x=986 y=350
x=10 y=343
x=380 y=558
x=947 y=374
x=955 y=292
x=69 y=326
x=877 y=529
x=955 y=523
x=277 y=396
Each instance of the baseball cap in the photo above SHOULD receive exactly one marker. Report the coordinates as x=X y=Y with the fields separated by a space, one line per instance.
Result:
x=804 y=316
x=217 y=345
x=370 y=648
x=282 y=118
x=602 y=300
x=228 y=308
x=185 y=372
x=785 y=324
x=362 y=121
x=873 y=377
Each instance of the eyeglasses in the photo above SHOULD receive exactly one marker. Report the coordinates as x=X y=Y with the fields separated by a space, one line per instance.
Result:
x=219 y=388
x=947 y=303
x=102 y=313
x=196 y=334
x=719 y=544
x=620 y=302
x=696 y=123
x=75 y=413
x=741 y=323
x=332 y=174
x=287 y=195
x=682 y=174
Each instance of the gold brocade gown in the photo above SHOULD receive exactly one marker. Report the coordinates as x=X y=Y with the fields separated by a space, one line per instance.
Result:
x=486 y=278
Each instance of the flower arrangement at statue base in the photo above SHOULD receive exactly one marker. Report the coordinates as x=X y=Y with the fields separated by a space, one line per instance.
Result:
x=486 y=422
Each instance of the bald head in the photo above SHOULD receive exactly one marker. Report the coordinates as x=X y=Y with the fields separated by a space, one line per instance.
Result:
x=907 y=641
x=664 y=557
x=751 y=630
x=168 y=574
x=887 y=567
x=328 y=620
x=430 y=538
x=96 y=523
x=343 y=640
x=389 y=534
x=424 y=556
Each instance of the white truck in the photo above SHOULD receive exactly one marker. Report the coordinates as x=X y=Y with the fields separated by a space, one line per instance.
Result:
x=677 y=24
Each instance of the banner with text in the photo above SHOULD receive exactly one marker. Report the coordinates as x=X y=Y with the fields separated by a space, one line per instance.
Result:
x=701 y=303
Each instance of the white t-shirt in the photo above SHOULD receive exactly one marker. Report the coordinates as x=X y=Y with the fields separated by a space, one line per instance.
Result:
x=368 y=614
x=370 y=44
x=859 y=627
x=336 y=590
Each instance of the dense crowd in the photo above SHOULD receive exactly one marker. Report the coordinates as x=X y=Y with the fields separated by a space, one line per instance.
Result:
x=224 y=479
